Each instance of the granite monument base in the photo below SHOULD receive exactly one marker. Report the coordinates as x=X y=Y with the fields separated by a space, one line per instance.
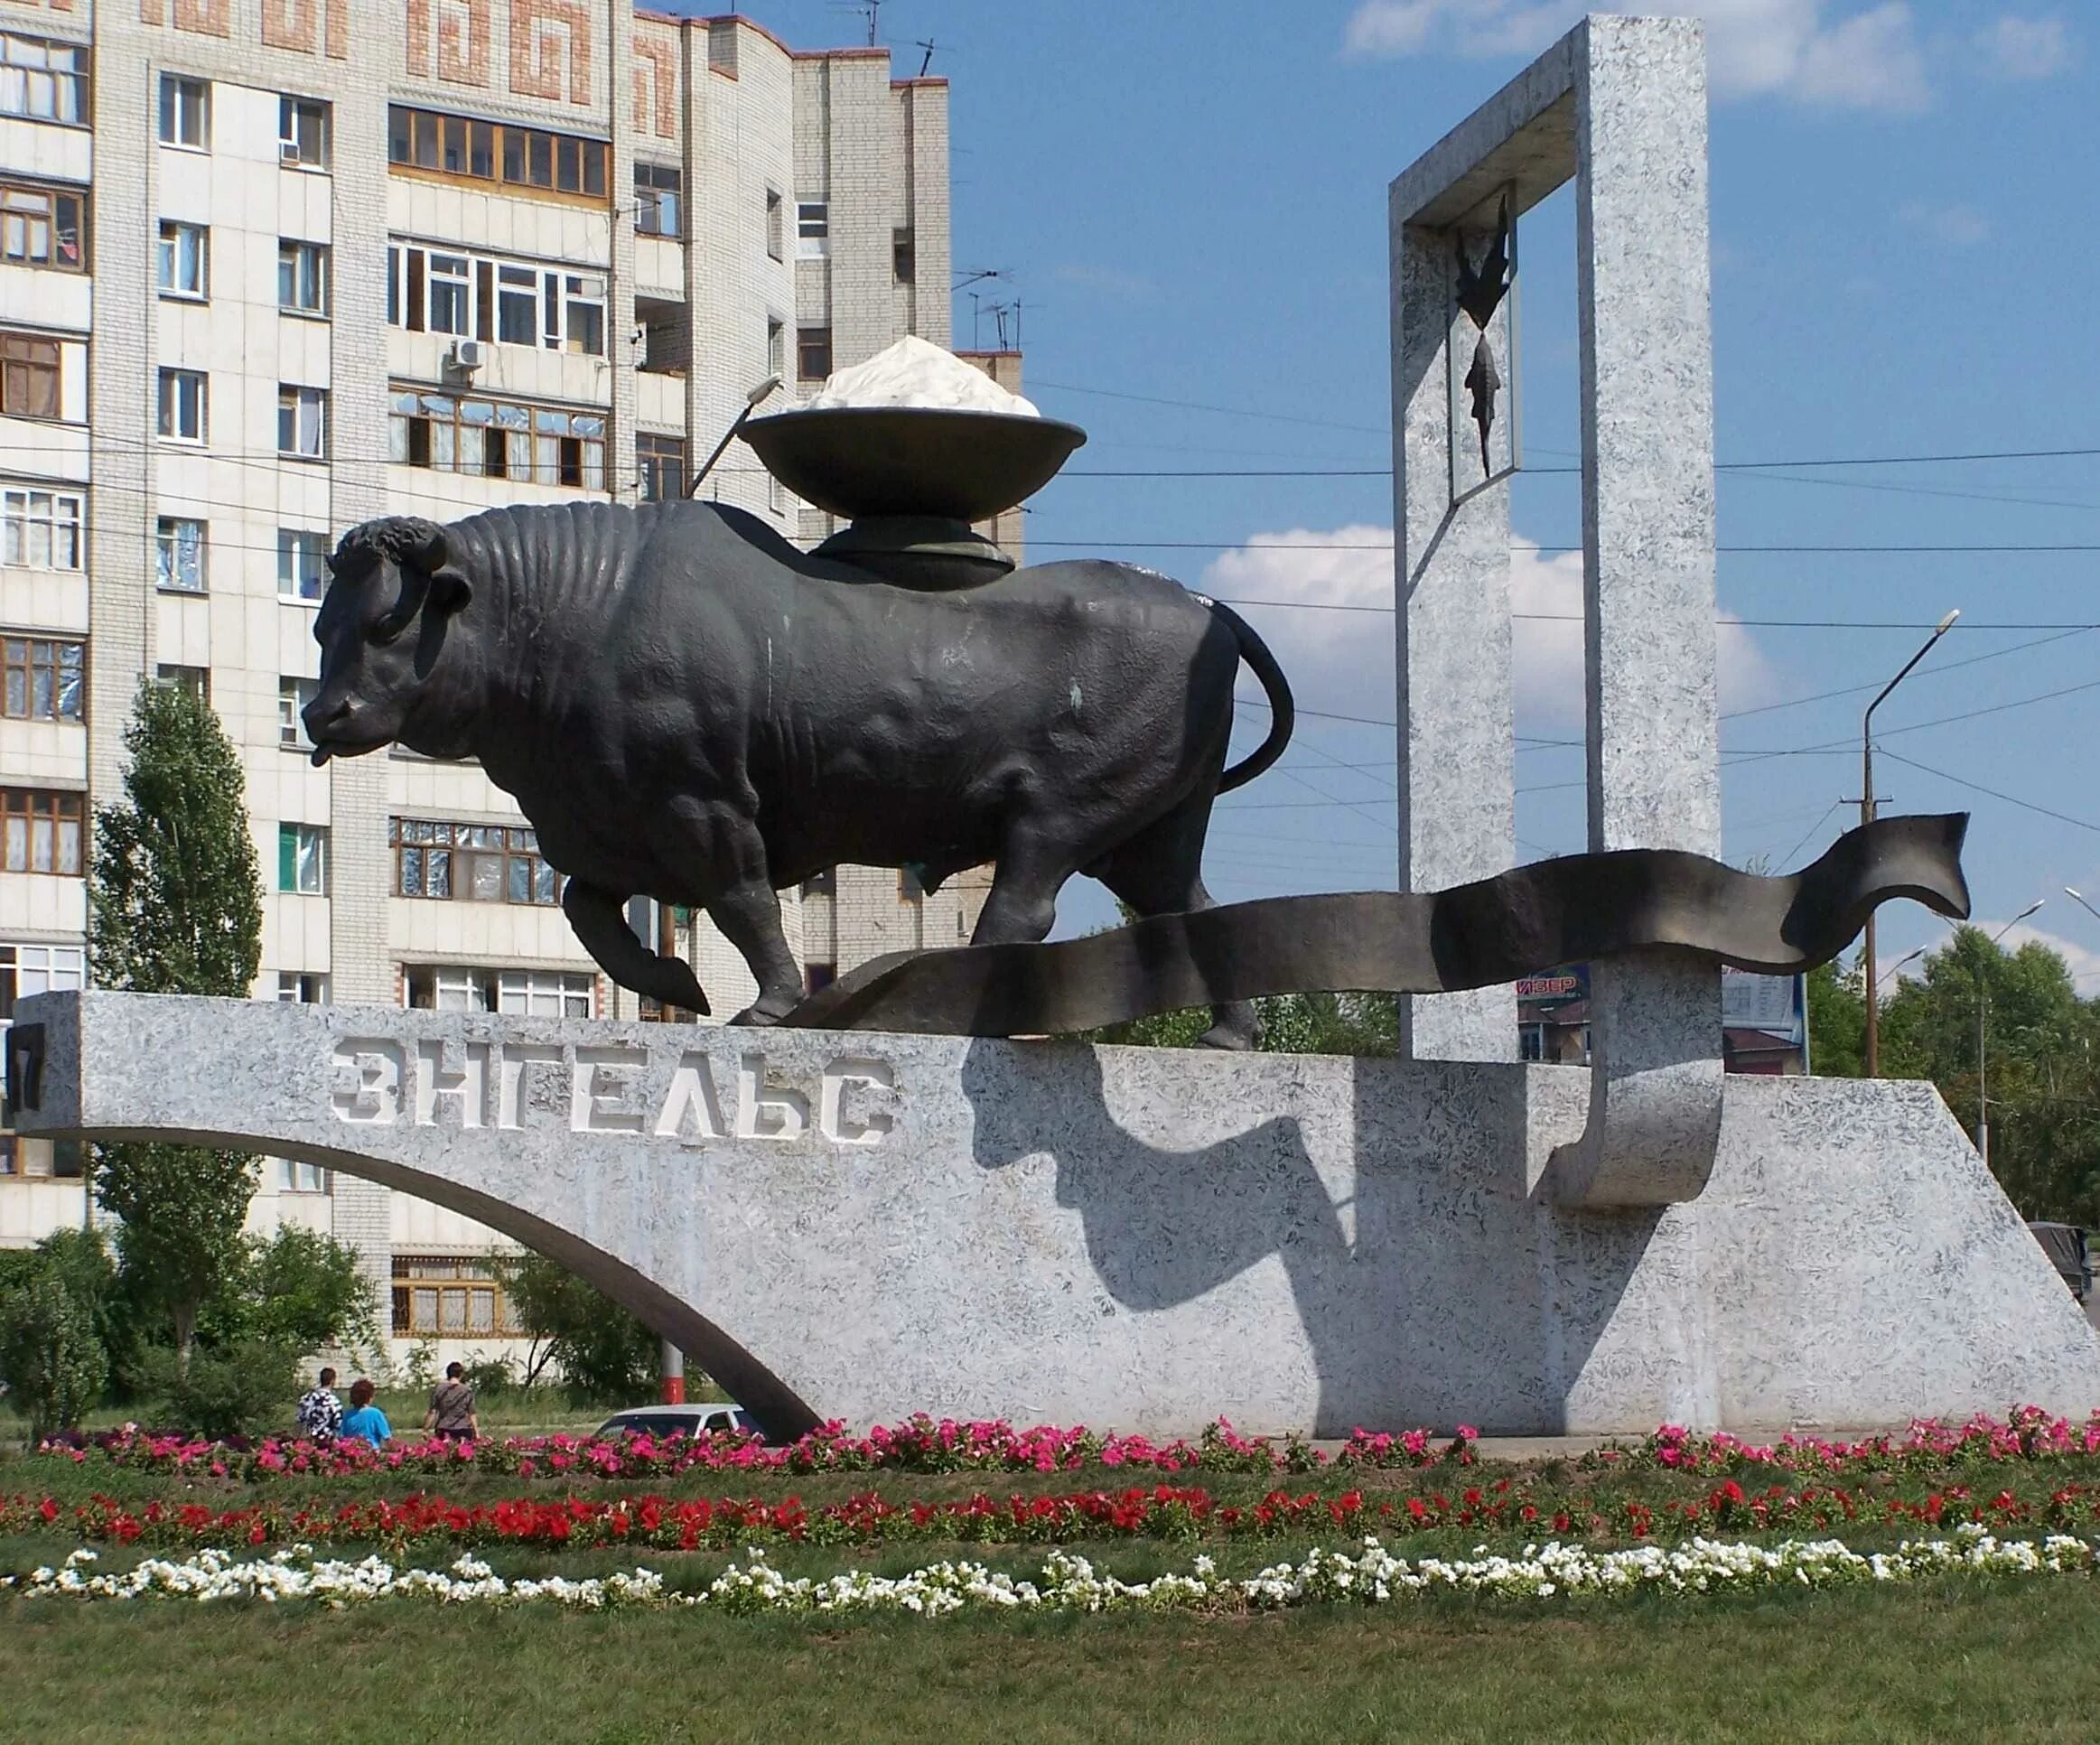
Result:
x=864 y=1226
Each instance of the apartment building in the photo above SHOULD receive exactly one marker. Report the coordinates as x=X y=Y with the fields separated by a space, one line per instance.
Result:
x=271 y=267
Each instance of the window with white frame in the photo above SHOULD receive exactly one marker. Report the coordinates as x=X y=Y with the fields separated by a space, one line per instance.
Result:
x=302 y=859
x=185 y=112
x=40 y=529
x=523 y=993
x=303 y=132
x=498 y=439
x=486 y=297
x=302 y=278
x=302 y=987
x=773 y=224
x=184 y=257
x=289 y=1176
x=776 y=348
x=293 y=697
x=42 y=80
x=812 y=229
x=182 y=408
x=302 y=423
x=44 y=227
x=302 y=563
x=179 y=556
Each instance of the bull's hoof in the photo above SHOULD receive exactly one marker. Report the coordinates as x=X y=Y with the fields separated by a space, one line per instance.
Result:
x=1228 y=1036
x=765 y=1009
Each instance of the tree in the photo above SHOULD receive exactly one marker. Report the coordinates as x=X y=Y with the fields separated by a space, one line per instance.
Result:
x=1837 y=1021
x=175 y=907
x=298 y=1289
x=604 y=1352
x=53 y=1364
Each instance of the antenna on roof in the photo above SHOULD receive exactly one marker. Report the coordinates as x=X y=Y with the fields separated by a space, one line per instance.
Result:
x=927 y=61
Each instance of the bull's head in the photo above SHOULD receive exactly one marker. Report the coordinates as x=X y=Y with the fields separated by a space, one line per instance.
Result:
x=382 y=630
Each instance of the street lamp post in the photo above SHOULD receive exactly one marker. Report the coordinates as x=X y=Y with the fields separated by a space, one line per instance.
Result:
x=1867 y=816
x=2082 y=903
x=1983 y=1011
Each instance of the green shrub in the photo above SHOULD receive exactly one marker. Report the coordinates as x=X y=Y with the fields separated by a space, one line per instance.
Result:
x=53 y=1365
x=245 y=1388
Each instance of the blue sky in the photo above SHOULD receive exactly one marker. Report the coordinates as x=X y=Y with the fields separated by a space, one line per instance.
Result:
x=1188 y=204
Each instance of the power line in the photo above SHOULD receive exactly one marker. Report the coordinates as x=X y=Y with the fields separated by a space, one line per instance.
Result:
x=2010 y=800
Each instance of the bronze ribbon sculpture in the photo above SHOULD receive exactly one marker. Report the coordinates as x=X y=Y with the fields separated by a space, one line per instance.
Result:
x=1521 y=922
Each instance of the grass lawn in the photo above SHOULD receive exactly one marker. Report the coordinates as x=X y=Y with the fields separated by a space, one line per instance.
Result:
x=1992 y=1659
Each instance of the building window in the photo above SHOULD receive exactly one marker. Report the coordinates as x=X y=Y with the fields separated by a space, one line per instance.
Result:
x=904 y=257
x=185 y=112
x=292 y=1176
x=302 y=423
x=39 y=832
x=441 y=1296
x=302 y=988
x=194 y=680
x=30 y=376
x=40 y=530
x=817 y=977
x=184 y=260
x=42 y=80
x=776 y=348
x=302 y=563
x=303 y=133
x=473 y=863
x=302 y=859
x=179 y=556
x=302 y=278
x=496 y=439
x=774 y=222
x=812 y=229
x=812 y=353
x=662 y=461
x=42 y=680
x=824 y=885
x=483 y=297
x=44 y=227
x=25 y=970
x=525 y=158
x=183 y=408
x=660 y=191
x=293 y=697
x=522 y=993
x=909 y=889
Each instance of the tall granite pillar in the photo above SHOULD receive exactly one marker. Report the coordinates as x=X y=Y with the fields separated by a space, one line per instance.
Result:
x=1451 y=571
x=1648 y=545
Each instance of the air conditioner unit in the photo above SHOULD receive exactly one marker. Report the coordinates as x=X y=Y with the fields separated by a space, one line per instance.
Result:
x=465 y=356
x=288 y=152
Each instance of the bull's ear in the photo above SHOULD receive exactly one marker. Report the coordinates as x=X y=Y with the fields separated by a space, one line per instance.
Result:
x=450 y=591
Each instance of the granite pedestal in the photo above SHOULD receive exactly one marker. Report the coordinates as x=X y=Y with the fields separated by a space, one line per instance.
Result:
x=864 y=1226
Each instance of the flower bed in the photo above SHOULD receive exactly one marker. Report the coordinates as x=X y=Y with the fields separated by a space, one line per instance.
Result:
x=1367 y=1577
x=925 y=1445
x=920 y=1445
x=1159 y=1512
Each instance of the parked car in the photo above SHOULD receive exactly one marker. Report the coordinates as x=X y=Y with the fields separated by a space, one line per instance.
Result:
x=688 y=1420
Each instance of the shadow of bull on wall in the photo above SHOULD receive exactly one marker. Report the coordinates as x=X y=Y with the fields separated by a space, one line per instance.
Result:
x=1428 y=1282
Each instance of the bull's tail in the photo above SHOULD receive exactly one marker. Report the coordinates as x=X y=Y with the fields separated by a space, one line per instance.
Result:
x=1283 y=711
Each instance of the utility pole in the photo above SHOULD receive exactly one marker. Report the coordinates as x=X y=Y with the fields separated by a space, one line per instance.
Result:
x=1866 y=809
x=1983 y=1011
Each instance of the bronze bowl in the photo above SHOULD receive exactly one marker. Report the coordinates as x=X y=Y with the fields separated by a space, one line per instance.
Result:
x=863 y=461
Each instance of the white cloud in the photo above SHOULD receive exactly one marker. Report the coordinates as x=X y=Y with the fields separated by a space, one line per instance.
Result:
x=1952 y=223
x=1868 y=59
x=2024 y=48
x=1342 y=661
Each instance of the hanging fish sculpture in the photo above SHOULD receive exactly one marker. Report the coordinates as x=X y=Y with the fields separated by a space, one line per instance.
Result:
x=1481 y=294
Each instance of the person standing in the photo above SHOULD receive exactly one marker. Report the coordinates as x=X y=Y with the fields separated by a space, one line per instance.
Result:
x=451 y=1416
x=319 y=1412
x=364 y=1422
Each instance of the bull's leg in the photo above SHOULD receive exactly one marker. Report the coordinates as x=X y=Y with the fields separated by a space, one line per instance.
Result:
x=749 y=915
x=1159 y=872
x=1022 y=906
x=598 y=920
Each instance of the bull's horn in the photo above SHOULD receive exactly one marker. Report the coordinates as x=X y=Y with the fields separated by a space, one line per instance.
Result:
x=322 y=753
x=428 y=552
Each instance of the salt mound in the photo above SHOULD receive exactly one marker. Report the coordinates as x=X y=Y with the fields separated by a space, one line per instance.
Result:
x=914 y=372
